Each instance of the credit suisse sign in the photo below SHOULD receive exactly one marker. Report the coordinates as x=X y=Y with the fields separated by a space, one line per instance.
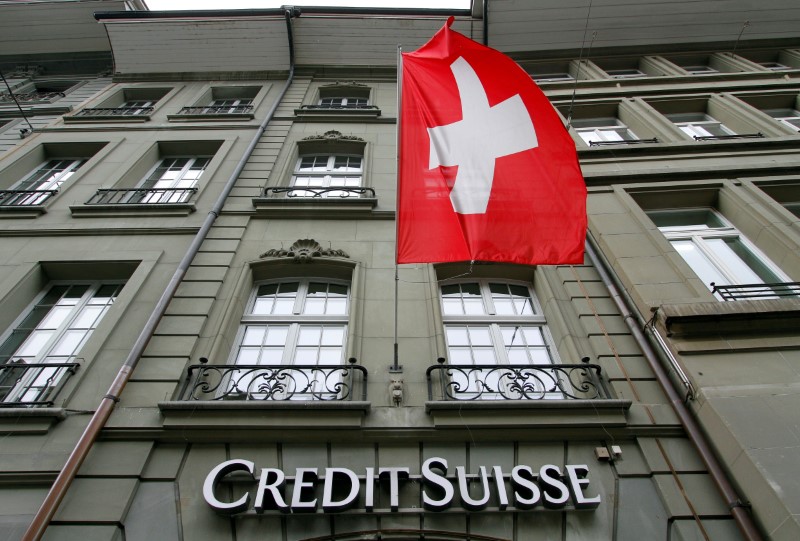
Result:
x=342 y=489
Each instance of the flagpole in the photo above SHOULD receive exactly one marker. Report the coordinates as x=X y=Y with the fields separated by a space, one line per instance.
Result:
x=395 y=368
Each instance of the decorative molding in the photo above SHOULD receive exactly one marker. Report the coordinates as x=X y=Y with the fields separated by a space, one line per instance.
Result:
x=304 y=251
x=333 y=136
x=345 y=84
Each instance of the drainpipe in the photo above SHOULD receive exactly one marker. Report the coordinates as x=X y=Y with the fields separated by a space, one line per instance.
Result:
x=742 y=517
x=486 y=22
x=62 y=483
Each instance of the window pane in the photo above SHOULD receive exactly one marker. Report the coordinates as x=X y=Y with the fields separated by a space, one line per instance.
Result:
x=254 y=336
x=309 y=335
x=479 y=336
x=699 y=263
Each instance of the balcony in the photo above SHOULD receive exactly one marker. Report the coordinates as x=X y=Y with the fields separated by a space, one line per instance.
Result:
x=371 y=111
x=731 y=137
x=32 y=385
x=89 y=114
x=25 y=198
x=215 y=112
x=747 y=292
x=29 y=97
x=142 y=196
x=516 y=382
x=245 y=382
x=338 y=192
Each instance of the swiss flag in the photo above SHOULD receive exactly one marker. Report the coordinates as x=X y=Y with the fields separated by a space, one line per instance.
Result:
x=487 y=170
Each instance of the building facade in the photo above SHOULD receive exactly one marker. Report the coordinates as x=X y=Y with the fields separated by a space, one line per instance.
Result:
x=198 y=216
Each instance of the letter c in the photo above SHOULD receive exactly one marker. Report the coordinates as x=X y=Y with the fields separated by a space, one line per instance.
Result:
x=214 y=477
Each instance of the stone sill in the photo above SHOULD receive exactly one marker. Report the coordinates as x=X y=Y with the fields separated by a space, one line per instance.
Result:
x=128 y=211
x=732 y=317
x=262 y=414
x=336 y=114
x=211 y=117
x=23 y=420
x=526 y=413
x=22 y=211
x=70 y=119
x=314 y=207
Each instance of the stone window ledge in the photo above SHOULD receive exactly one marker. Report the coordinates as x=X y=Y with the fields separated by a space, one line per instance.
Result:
x=30 y=420
x=262 y=414
x=734 y=317
x=132 y=210
x=516 y=413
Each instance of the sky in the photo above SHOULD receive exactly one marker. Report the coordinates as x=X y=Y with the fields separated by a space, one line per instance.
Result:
x=158 y=5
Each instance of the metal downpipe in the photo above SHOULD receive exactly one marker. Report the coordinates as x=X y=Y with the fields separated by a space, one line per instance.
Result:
x=742 y=517
x=62 y=483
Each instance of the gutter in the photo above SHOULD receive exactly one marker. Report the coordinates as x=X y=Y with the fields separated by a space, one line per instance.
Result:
x=277 y=12
x=687 y=418
x=79 y=453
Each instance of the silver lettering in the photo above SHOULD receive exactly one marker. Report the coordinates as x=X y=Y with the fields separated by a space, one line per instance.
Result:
x=431 y=477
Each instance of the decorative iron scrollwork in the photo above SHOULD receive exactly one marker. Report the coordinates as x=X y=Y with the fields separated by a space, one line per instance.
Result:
x=529 y=382
x=273 y=382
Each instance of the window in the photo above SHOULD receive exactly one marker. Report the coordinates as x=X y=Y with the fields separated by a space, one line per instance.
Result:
x=32 y=179
x=42 y=348
x=344 y=96
x=602 y=130
x=626 y=74
x=699 y=125
x=228 y=106
x=787 y=116
x=343 y=102
x=491 y=323
x=173 y=180
x=552 y=77
x=715 y=250
x=700 y=69
x=324 y=174
x=292 y=323
x=225 y=102
x=135 y=104
x=41 y=183
x=774 y=66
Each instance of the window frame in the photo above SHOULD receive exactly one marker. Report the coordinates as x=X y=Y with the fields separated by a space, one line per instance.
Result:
x=699 y=235
x=294 y=320
x=53 y=182
x=697 y=128
x=185 y=169
x=327 y=176
x=54 y=377
x=496 y=324
x=603 y=127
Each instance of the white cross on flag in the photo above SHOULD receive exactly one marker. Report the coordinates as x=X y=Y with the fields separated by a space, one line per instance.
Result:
x=487 y=170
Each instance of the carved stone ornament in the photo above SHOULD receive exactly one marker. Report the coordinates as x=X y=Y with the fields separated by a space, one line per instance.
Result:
x=304 y=251
x=334 y=136
x=345 y=84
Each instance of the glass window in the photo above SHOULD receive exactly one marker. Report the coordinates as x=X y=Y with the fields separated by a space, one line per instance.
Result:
x=173 y=180
x=42 y=182
x=786 y=116
x=228 y=106
x=626 y=74
x=296 y=323
x=322 y=174
x=490 y=325
x=51 y=336
x=136 y=107
x=700 y=125
x=700 y=69
x=344 y=102
x=715 y=250
x=602 y=130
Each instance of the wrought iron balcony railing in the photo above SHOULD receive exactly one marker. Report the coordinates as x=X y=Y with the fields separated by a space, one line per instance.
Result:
x=339 y=192
x=28 y=385
x=758 y=135
x=516 y=382
x=29 y=97
x=275 y=382
x=339 y=108
x=745 y=292
x=622 y=142
x=141 y=196
x=23 y=198
x=105 y=112
x=217 y=110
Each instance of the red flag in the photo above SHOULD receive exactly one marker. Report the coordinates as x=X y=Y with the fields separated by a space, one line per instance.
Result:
x=487 y=171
